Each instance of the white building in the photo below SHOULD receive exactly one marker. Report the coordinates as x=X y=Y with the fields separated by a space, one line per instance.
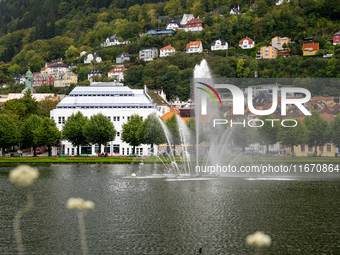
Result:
x=172 y=24
x=117 y=74
x=147 y=54
x=219 y=44
x=186 y=18
x=118 y=103
x=94 y=72
x=194 y=47
x=278 y=2
x=113 y=40
x=246 y=43
x=83 y=53
x=235 y=10
x=90 y=57
x=166 y=51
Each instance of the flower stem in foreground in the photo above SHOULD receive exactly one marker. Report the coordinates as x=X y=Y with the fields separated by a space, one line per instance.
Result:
x=16 y=222
x=82 y=232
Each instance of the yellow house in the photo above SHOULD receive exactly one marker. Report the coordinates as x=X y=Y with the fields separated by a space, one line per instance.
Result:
x=310 y=49
x=304 y=150
x=278 y=42
x=267 y=52
x=65 y=79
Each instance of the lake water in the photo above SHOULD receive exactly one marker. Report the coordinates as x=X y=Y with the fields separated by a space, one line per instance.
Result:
x=155 y=215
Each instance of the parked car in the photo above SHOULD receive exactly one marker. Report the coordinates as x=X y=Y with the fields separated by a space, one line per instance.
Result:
x=38 y=151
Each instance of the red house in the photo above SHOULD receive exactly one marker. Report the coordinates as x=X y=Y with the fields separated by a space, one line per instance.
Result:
x=39 y=79
x=194 y=25
x=336 y=38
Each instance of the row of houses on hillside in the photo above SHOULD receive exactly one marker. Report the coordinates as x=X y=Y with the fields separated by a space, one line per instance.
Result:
x=55 y=73
x=116 y=73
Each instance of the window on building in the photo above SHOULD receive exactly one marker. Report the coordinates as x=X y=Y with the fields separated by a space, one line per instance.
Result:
x=141 y=118
x=109 y=117
x=127 y=151
x=115 y=149
x=128 y=118
x=329 y=147
x=320 y=148
x=122 y=151
x=118 y=134
x=303 y=148
x=59 y=120
x=141 y=151
x=310 y=148
x=118 y=118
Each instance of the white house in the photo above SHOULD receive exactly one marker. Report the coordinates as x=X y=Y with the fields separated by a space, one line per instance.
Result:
x=90 y=57
x=117 y=103
x=186 y=18
x=194 y=47
x=147 y=54
x=83 y=53
x=94 y=72
x=113 y=40
x=194 y=25
x=117 y=74
x=246 y=43
x=219 y=44
x=235 y=10
x=166 y=51
x=172 y=24
x=278 y=2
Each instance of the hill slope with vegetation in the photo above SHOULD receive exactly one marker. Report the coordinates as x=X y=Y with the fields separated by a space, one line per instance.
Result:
x=34 y=32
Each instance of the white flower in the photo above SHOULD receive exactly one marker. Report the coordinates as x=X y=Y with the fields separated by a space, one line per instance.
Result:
x=79 y=204
x=75 y=203
x=23 y=175
x=88 y=205
x=259 y=239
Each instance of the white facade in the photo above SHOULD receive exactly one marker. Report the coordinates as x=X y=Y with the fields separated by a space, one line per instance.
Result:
x=166 y=51
x=186 y=18
x=247 y=43
x=113 y=40
x=278 y=2
x=219 y=45
x=194 y=47
x=88 y=59
x=117 y=74
x=83 y=53
x=172 y=26
x=118 y=103
x=148 y=54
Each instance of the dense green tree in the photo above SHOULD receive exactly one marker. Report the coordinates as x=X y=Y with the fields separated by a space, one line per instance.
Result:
x=27 y=132
x=152 y=131
x=73 y=130
x=243 y=136
x=172 y=126
x=99 y=130
x=269 y=133
x=132 y=132
x=9 y=135
x=335 y=131
x=294 y=136
x=317 y=130
x=47 y=134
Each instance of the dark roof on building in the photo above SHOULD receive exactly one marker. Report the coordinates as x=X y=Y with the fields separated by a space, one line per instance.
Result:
x=59 y=65
x=171 y=20
x=96 y=71
x=261 y=99
x=223 y=42
x=123 y=55
x=113 y=38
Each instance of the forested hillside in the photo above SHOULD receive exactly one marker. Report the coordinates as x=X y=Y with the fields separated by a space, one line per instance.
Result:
x=33 y=32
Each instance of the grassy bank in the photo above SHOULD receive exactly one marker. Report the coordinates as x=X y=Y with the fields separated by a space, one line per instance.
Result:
x=127 y=160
